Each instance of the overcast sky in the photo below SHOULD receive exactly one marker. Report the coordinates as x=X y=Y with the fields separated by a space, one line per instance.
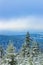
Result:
x=21 y=15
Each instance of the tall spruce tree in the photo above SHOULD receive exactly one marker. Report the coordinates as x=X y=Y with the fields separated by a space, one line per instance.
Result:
x=27 y=39
x=10 y=54
x=26 y=46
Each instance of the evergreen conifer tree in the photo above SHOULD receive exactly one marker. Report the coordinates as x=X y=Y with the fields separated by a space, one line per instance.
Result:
x=10 y=54
x=26 y=46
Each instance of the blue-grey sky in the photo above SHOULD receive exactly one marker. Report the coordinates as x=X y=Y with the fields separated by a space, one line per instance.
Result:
x=17 y=8
x=21 y=15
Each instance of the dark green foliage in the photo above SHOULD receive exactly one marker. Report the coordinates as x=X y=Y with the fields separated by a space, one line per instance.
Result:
x=27 y=37
x=26 y=46
x=13 y=62
x=1 y=51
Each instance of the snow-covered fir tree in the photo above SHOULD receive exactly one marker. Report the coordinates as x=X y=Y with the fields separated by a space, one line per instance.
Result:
x=26 y=45
x=10 y=56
